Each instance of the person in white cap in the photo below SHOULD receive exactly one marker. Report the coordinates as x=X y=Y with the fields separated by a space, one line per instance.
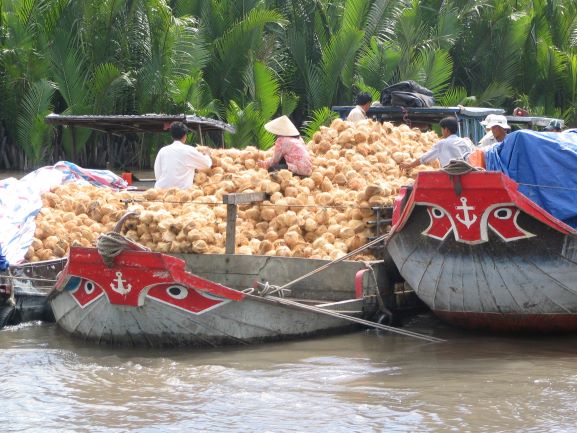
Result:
x=290 y=151
x=497 y=128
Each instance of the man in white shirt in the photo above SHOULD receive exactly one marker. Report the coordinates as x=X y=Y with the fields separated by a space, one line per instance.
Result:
x=450 y=147
x=497 y=128
x=176 y=163
x=360 y=111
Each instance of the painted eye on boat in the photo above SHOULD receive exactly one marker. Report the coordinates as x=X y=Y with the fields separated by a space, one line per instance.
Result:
x=89 y=287
x=177 y=292
x=503 y=213
x=437 y=212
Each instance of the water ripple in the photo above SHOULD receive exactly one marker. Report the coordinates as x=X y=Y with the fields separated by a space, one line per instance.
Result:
x=364 y=382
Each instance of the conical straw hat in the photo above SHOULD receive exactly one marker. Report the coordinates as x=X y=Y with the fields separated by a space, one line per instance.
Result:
x=282 y=126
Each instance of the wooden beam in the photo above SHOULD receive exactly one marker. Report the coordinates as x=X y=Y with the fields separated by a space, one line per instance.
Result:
x=231 y=201
x=244 y=197
x=230 y=245
x=200 y=135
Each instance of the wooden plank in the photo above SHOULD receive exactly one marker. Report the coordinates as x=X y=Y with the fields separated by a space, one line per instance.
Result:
x=244 y=197
x=230 y=228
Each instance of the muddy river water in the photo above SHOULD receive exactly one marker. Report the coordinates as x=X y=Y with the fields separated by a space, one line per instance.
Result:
x=365 y=381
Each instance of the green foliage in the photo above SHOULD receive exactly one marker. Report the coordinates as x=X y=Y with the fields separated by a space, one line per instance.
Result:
x=321 y=117
x=248 y=62
x=33 y=133
x=249 y=125
x=264 y=89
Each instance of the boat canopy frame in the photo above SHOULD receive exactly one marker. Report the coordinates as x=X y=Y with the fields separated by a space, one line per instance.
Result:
x=146 y=123
x=469 y=117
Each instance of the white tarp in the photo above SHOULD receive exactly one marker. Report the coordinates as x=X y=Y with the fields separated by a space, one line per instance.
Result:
x=20 y=202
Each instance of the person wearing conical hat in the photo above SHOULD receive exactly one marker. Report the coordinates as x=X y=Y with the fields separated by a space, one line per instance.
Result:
x=290 y=151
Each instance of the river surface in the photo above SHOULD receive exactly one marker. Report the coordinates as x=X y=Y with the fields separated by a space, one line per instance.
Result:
x=364 y=381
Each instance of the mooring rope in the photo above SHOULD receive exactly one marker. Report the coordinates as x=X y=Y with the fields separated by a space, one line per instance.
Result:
x=458 y=168
x=111 y=244
x=375 y=241
x=16 y=277
x=338 y=315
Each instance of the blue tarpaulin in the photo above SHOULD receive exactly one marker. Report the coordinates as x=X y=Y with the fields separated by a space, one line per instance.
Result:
x=544 y=164
x=3 y=262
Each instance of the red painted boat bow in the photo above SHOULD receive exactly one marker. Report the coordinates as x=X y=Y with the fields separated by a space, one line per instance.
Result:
x=492 y=201
x=134 y=271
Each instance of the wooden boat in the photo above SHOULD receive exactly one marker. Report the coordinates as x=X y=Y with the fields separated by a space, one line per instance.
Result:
x=24 y=290
x=150 y=299
x=483 y=256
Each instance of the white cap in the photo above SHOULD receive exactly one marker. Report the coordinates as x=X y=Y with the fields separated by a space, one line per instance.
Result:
x=495 y=120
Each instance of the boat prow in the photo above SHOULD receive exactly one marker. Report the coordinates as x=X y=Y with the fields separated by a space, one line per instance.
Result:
x=483 y=256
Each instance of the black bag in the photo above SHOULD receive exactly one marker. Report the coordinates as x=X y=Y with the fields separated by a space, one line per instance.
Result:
x=407 y=94
x=411 y=99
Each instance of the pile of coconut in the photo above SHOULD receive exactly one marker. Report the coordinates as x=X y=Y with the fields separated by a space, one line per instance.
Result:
x=324 y=216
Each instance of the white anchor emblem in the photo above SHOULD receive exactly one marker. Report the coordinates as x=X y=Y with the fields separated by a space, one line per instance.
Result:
x=119 y=288
x=467 y=220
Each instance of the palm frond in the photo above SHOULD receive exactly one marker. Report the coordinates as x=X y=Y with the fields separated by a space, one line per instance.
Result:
x=315 y=86
x=377 y=63
x=571 y=76
x=354 y=14
x=337 y=58
x=230 y=50
x=33 y=132
x=321 y=117
x=266 y=90
x=452 y=96
x=68 y=67
x=494 y=94
x=448 y=28
x=52 y=13
x=288 y=102
x=101 y=86
x=380 y=19
x=432 y=69
x=249 y=126
x=188 y=49
x=365 y=88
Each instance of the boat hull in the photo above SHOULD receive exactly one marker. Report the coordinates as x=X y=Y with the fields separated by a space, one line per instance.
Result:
x=30 y=284
x=156 y=325
x=523 y=281
x=88 y=304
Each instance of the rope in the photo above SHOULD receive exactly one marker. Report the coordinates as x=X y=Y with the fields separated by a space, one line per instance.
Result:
x=382 y=306
x=111 y=244
x=325 y=266
x=458 y=168
x=357 y=320
x=16 y=277
x=547 y=186
x=267 y=289
x=132 y=201
x=406 y=118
